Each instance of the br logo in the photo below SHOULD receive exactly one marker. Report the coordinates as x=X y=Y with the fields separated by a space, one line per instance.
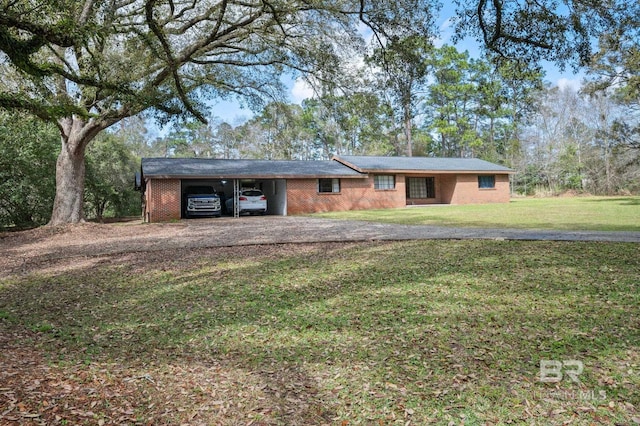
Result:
x=552 y=371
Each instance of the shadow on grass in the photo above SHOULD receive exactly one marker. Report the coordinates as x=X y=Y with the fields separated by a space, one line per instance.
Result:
x=622 y=201
x=451 y=222
x=372 y=328
x=467 y=222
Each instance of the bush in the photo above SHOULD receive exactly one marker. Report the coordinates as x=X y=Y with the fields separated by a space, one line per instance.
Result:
x=28 y=153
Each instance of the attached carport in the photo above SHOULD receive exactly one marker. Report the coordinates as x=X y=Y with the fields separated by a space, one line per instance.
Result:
x=274 y=189
x=228 y=176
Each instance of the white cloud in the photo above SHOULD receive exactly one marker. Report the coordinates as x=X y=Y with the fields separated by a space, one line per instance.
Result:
x=447 y=24
x=300 y=91
x=569 y=83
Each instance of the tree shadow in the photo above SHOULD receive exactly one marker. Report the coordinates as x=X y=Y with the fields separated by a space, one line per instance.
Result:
x=623 y=201
x=313 y=322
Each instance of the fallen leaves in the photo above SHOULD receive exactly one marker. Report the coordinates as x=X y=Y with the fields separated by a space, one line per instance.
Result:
x=242 y=336
x=33 y=391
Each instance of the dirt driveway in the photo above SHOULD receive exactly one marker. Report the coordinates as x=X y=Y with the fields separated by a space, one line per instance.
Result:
x=24 y=251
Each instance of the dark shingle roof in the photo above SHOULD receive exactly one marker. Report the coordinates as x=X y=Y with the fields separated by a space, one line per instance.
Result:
x=366 y=164
x=242 y=169
x=341 y=167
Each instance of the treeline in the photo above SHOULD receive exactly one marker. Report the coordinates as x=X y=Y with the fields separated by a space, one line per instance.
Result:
x=584 y=142
x=454 y=106
x=557 y=139
x=449 y=105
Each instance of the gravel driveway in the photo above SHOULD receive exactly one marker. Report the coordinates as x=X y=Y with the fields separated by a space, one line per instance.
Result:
x=279 y=229
x=23 y=251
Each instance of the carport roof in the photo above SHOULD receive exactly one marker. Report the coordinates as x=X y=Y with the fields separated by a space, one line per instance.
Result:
x=244 y=169
x=366 y=164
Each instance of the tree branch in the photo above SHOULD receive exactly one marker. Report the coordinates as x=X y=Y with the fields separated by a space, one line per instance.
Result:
x=41 y=34
x=492 y=36
x=172 y=64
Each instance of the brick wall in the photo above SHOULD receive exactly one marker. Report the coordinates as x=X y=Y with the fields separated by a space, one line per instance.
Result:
x=466 y=190
x=162 y=196
x=447 y=186
x=355 y=194
x=463 y=189
x=162 y=201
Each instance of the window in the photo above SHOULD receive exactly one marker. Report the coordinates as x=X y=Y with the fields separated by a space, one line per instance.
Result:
x=486 y=181
x=422 y=187
x=328 y=185
x=384 y=182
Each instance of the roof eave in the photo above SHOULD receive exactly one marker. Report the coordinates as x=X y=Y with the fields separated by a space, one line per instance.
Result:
x=437 y=172
x=257 y=176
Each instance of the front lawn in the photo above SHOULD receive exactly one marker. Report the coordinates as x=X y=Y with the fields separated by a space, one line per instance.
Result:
x=429 y=332
x=560 y=213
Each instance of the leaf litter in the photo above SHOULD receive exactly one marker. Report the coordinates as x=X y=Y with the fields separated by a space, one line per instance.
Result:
x=313 y=333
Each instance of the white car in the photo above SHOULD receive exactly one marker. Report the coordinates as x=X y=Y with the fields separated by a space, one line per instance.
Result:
x=201 y=201
x=249 y=201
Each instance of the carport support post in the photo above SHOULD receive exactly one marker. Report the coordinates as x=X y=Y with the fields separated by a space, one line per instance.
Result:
x=236 y=195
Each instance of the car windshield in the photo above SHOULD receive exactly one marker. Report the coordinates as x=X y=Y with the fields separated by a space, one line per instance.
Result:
x=197 y=190
x=252 y=193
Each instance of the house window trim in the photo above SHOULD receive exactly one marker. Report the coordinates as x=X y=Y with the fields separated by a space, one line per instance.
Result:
x=335 y=182
x=376 y=183
x=486 y=188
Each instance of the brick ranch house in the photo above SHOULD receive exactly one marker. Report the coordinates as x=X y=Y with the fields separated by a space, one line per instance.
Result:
x=342 y=183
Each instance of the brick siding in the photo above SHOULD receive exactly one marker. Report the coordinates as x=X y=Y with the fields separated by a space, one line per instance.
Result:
x=355 y=194
x=163 y=196
x=162 y=201
x=440 y=187
x=466 y=190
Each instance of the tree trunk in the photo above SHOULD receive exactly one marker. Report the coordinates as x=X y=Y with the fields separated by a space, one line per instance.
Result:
x=68 y=206
x=407 y=128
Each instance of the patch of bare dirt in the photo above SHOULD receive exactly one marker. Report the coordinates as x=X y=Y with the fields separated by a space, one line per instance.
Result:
x=51 y=249
x=34 y=392
x=40 y=248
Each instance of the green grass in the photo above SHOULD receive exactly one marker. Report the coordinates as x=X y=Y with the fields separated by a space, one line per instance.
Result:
x=430 y=332
x=562 y=213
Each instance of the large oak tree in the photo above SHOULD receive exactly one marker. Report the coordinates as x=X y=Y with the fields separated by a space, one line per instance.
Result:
x=86 y=65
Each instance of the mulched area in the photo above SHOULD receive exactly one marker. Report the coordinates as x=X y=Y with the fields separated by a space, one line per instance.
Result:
x=33 y=391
